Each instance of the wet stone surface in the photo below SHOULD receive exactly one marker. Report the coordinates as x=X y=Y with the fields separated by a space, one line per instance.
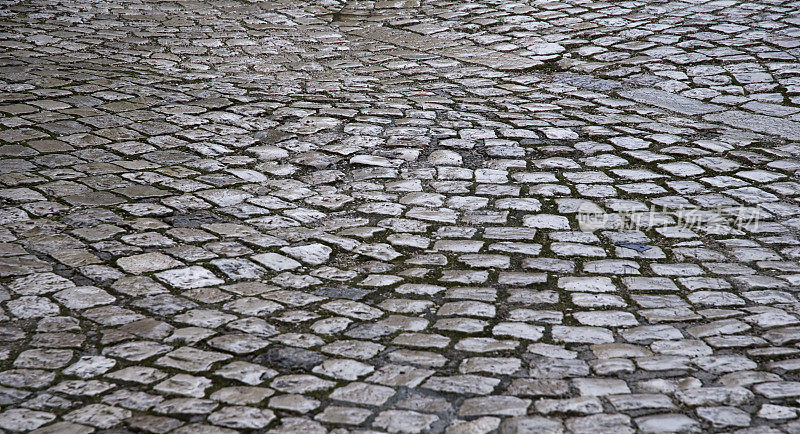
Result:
x=399 y=216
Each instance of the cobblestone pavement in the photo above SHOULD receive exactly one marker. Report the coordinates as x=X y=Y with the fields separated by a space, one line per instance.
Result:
x=399 y=216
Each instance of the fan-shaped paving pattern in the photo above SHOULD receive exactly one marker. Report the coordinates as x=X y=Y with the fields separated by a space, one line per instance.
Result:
x=399 y=216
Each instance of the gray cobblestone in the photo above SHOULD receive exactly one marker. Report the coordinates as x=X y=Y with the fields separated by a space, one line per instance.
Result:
x=399 y=216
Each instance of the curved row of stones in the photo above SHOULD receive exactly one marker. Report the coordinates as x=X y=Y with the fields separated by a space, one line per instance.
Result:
x=399 y=216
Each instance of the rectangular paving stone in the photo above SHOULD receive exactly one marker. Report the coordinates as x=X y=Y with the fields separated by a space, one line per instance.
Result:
x=670 y=101
x=759 y=123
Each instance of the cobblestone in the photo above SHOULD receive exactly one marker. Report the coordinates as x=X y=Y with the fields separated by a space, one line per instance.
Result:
x=399 y=216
